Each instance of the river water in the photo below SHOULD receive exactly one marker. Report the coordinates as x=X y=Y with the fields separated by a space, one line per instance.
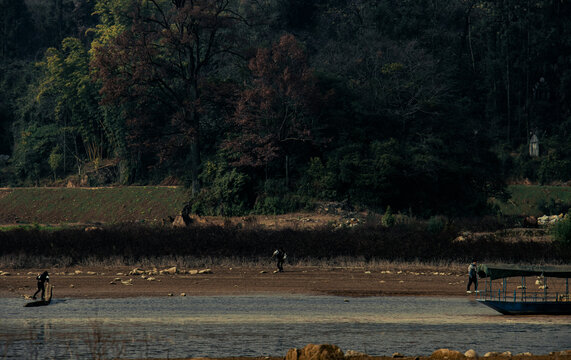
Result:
x=219 y=326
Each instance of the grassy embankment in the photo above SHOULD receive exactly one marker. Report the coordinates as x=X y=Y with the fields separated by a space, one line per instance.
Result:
x=536 y=200
x=152 y=204
x=90 y=205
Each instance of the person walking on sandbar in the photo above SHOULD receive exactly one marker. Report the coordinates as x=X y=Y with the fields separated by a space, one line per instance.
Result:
x=280 y=257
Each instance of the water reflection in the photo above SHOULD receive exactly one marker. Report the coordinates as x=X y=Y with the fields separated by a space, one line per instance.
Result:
x=267 y=325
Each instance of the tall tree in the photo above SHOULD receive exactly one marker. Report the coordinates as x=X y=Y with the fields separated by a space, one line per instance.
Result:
x=275 y=112
x=159 y=64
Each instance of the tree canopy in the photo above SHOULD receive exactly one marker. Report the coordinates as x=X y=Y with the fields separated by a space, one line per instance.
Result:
x=426 y=107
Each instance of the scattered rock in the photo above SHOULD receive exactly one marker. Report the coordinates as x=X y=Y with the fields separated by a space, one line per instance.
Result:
x=92 y=228
x=492 y=354
x=525 y=354
x=397 y=355
x=171 y=271
x=136 y=271
x=315 y=352
x=181 y=221
x=353 y=353
x=91 y=273
x=471 y=354
x=182 y=294
x=447 y=354
x=561 y=353
x=549 y=220
x=205 y=271
x=193 y=272
x=170 y=294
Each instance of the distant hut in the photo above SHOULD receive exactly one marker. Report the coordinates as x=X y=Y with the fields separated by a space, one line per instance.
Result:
x=534 y=145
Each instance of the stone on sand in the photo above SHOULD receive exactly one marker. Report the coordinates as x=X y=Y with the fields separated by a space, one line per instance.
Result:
x=447 y=354
x=316 y=352
x=471 y=354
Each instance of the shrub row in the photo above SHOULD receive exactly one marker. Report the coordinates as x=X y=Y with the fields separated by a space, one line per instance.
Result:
x=135 y=243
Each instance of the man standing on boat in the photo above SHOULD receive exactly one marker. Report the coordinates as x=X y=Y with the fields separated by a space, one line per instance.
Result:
x=472 y=276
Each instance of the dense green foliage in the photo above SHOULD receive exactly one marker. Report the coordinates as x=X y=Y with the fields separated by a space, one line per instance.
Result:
x=561 y=232
x=423 y=106
x=536 y=200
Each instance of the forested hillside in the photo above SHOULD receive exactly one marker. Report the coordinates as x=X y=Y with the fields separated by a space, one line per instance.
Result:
x=425 y=106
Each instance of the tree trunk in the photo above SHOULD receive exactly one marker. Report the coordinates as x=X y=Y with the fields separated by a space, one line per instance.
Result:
x=195 y=162
x=194 y=123
x=287 y=171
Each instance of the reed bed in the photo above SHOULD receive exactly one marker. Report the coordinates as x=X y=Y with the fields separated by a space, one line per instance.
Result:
x=138 y=244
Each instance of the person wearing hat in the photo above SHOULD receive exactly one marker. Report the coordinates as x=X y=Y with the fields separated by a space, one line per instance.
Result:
x=472 y=276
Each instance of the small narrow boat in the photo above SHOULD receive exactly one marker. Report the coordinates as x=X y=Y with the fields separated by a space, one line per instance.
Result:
x=48 y=292
x=517 y=300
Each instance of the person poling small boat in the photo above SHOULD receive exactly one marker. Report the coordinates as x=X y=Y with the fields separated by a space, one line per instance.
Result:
x=43 y=283
x=42 y=279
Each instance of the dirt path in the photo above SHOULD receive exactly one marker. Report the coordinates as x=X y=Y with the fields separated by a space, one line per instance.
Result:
x=116 y=282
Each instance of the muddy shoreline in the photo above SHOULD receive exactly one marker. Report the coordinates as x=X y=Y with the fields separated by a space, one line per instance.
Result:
x=121 y=281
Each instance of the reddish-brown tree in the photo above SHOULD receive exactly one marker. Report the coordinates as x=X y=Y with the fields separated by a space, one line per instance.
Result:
x=156 y=68
x=277 y=109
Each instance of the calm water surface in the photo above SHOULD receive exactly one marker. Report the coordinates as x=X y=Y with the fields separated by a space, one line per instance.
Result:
x=267 y=325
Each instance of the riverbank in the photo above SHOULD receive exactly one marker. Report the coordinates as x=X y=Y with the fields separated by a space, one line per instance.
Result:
x=352 y=280
x=347 y=281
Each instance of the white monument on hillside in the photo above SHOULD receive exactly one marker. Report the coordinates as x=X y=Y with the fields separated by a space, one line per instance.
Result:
x=534 y=145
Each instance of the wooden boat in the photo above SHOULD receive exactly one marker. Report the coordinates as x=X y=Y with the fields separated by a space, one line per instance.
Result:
x=521 y=301
x=48 y=292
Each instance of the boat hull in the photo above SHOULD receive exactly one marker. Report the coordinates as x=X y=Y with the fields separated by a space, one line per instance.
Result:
x=48 y=295
x=37 y=303
x=529 y=308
